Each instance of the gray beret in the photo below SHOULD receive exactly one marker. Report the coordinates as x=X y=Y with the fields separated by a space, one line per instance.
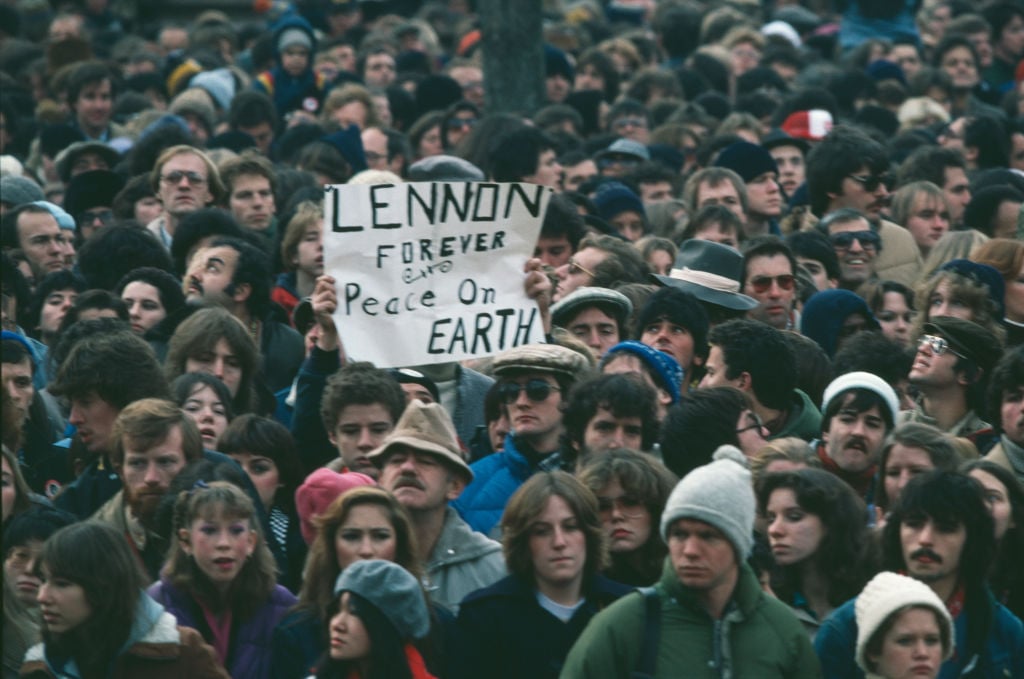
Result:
x=444 y=168
x=543 y=358
x=392 y=590
x=566 y=308
x=18 y=190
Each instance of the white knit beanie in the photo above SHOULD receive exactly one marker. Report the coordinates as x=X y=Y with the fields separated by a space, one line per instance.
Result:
x=862 y=380
x=719 y=494
x=886 y=594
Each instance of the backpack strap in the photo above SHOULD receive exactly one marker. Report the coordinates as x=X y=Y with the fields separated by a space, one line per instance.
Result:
x=652 y=631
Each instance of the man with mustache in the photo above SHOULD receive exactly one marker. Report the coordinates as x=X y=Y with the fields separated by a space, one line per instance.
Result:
x=951 y=372
x=849 y=169
x=941 y=533
x=858 y=412
x=421 y=464
x=153 y=441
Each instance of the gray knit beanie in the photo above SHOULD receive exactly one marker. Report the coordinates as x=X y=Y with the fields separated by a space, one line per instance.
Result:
x=18 y=190
x=719 y=494
x=392 y=590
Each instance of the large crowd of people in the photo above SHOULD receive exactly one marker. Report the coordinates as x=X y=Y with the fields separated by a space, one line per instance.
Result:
x=776 y=428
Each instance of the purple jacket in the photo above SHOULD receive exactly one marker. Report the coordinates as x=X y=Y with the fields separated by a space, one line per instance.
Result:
x=249 y=653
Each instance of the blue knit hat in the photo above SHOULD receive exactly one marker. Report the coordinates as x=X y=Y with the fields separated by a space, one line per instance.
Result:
x=614 y=198
x=665 y=367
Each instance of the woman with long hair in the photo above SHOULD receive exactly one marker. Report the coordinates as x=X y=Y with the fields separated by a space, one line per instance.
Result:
x=379 y=610
x=892 y=304
x=266 y=451
x=819 y=537
x=555 y=548
x=631 y=490
x=1004 y=495
x=912 y=448
x=98 y=621
x=362 y=523
x=219 y=577
x=1007 y=257
x=208 y=402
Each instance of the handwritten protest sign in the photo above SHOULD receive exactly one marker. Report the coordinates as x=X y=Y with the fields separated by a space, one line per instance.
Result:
x=433 y=271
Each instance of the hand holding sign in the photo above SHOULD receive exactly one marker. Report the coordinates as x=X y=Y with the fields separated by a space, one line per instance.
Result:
x=432 y=272
x=325 y=302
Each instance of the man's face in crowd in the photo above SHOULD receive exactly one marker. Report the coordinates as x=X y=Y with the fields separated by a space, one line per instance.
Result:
x=94 y=419
x=147 y=472
x=790 y=161
x=420 y=481
x=375 y=146
x=960 y=66
x=958 y=193
x=379 y=71
x=854 y=440
x=771 y=282
x=672 y=339
x=44 y=243
x=817 y=271
x=907 y=58
x=928 y=220
x=702 y=557
x=548 y=172
x=862 y=191
x=605 y=431
x=210 y=274
x=577 y=271
x=17 y=382
x=94 y=105
x=764 y=198
x=55 y=307
x=717 y=232
x=631 y=126
x=857 y=260
x=554 y=252
x=579 y=173
x=930 y=370
x=360 y=429
x=1011 y=414
x=535 y=420
x=184 y=184
x=653 y=192
x=931 y=549
x=261 y=133
x=595 y=328
x=252 y=201
x=222 y=362
x=715 y=369
x=471 y=80
x=87 y=162
x=722 y=193
x=1010 y=42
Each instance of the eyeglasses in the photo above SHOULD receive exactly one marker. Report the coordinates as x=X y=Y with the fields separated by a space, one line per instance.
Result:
x=575 y=268
x=175 y=177
x=89 y=216
x=938 y=345
x=869 y=240
x=459 y=123
x=871 y=182
x=536 y=390
x=761 y=284
x=755 y=423
x=629 y=122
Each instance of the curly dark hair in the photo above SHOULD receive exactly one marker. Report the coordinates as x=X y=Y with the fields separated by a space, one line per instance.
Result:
x=119 y=366
x=622 y=395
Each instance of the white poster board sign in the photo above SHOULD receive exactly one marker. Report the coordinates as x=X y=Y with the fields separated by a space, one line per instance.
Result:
x=430 y=272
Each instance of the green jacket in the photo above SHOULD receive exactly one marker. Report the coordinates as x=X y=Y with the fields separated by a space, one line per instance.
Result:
x=757 y=637
x=804 y=420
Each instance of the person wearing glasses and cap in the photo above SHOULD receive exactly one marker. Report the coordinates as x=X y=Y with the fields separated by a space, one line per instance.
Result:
x=951 y=372
x=848 y=169
x=534 y=382
x=185 y=180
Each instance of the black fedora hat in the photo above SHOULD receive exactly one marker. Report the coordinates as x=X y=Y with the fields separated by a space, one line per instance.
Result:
x=711 y=271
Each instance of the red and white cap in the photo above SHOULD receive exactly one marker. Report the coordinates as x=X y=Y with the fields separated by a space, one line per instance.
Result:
x=811 y=125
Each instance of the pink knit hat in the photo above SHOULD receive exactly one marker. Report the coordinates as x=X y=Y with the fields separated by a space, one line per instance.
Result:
x=318 y=491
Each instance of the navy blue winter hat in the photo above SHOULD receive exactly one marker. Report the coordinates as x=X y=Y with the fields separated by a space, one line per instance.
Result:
x=747 y=160
x=614 y=198
x=350 y=144
x=556 y=63
x=824 y=314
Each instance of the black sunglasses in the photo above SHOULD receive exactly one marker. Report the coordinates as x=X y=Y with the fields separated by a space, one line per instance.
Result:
x=536 y=390
x=867 y=239
x=871 y=182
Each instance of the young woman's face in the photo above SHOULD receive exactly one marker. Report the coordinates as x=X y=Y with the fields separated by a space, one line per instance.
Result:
x=220 y=546
x=627 y=523
x=349 y=639
x=208 y=412
x=19 y=571
x=430 y=143
x=912 y=647
x=558 y=545
x=946 y=302
x=145 y=308
x=263 y=473
x=62 y=603
x=896 y=318
x=365 y=534
x=794 y=533
x=10 y=491
x=998 y=501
